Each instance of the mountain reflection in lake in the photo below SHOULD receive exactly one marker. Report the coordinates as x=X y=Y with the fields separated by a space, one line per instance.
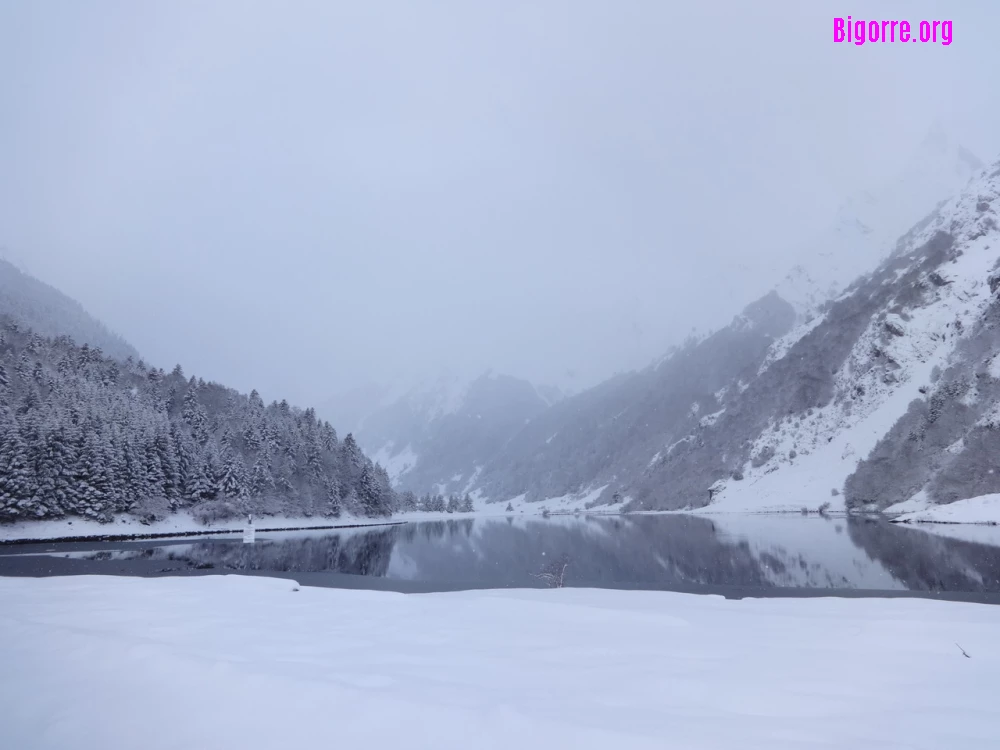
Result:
x=755 y=553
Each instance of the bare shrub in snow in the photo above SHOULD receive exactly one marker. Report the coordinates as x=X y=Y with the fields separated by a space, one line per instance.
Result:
x=553 y=573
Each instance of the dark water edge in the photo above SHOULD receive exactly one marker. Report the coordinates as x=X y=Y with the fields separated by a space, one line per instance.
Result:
x=735 y=557
x=371 y=583
x=176 y=534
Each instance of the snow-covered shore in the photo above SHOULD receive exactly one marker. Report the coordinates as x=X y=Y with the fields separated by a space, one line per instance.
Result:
x=178 y=524
x=182 y=523
x=984 y=509
x=99 y=663
x=977 y=510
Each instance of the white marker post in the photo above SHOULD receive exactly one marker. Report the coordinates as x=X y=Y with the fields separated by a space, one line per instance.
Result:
x=248 y=532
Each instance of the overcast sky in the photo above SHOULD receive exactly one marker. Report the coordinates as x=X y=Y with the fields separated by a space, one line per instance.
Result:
x=306 y=196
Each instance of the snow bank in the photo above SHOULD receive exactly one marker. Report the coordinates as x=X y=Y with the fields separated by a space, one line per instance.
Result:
x=982 y=509
x=97 y=663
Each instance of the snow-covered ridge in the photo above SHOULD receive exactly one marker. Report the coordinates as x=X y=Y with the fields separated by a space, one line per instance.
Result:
x=804 y=459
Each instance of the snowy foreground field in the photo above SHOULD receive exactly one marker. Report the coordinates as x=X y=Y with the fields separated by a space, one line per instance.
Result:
x=233 y=662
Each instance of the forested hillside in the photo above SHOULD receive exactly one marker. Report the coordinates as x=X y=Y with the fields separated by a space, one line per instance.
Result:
x=82 y=434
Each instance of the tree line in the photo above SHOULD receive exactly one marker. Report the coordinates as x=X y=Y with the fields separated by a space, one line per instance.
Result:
x=436 y=503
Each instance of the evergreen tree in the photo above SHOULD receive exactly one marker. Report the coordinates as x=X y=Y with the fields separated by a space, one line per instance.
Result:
x=53 y=474
x=16 y=479
x=233 y=480
x=333 y=501
x=172 y=485
x=133 y=480
x=370 y=494
x=155 y=476
x=91 y=478
x=261 y=481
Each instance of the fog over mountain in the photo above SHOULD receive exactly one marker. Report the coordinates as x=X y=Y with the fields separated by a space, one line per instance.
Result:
x=319 y=198
x=610 y=433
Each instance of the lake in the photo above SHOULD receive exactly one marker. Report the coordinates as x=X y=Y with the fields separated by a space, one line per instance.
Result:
x=734 y=555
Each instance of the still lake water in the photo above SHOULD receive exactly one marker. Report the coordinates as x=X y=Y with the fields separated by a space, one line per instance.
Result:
x=734 y=555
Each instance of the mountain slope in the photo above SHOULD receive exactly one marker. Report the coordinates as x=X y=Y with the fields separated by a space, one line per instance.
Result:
x=770 y=415
x=49 y=312
x=609 y=433
x=945 y=447
x=866 y=376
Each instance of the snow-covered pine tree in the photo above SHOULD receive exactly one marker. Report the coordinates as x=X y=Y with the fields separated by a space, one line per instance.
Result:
x=198 y=485
x=53 y=464
x=261 y=482
x=155 y=476
x=328 y=437
x=333 y=501
x=91 y=478
x=167 y=453
x=16 y=479
x=233 y=480
x=371 y=492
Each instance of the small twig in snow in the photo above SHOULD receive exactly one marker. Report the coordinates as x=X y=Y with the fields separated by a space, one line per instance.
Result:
x=963 y=652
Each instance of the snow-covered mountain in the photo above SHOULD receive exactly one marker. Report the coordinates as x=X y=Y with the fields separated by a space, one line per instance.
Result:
x=49 y=312
x=868 y=224
x=888 y=393
x=505 y=438
x=436 y=436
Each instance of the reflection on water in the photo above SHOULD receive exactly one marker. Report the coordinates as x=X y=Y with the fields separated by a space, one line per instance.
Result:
x=661 y=552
